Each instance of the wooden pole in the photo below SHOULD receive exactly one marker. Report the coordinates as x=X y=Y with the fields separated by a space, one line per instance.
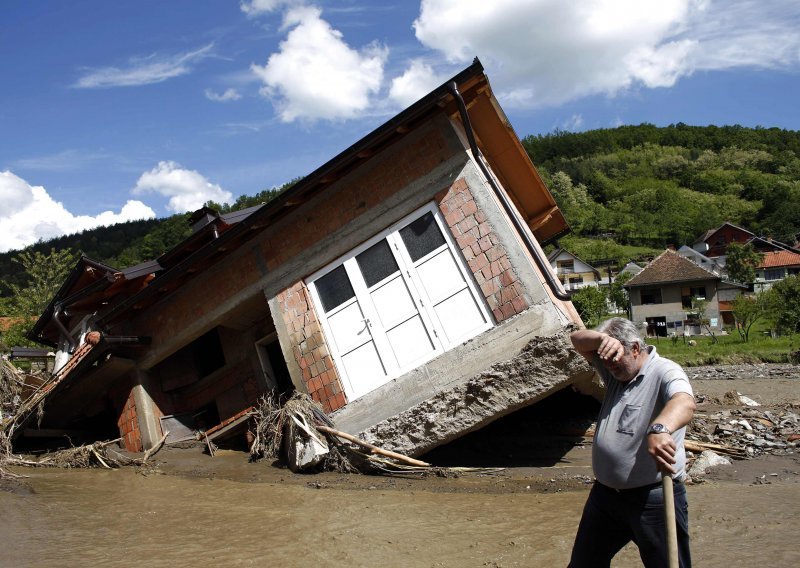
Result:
x=370 y=447
x=669 y=521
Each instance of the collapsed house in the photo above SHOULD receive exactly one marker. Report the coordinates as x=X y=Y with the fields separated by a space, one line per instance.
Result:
x=402 y=285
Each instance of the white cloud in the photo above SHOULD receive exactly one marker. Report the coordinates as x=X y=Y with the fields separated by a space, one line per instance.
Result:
x=258 y=7
x=228 y=95
x=187 y=190
x=144 y=70
x=316 y=74
x=417 y=81
x=547 y=52
x=30 y=214
x=573 y=124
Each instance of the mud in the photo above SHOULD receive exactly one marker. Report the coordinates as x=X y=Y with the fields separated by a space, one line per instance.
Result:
x=196 y=510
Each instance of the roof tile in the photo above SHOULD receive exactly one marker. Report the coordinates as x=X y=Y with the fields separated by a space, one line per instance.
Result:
x=670 y=267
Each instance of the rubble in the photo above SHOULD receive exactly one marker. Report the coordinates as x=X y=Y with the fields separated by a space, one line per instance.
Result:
x=706 y=461
x=748 y=431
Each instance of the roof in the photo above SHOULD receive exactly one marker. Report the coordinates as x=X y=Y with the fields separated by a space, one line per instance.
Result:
x=556 y=253
x=708 y=234
x=760 y=243
x=670 y=267
x=778 y=259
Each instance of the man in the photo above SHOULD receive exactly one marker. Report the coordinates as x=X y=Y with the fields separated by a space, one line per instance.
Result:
x=639 y=437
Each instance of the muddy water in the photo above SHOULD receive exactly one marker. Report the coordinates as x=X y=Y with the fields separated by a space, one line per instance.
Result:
x=122 y=518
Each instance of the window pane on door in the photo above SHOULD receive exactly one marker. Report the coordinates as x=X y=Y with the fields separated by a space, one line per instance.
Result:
x=459 y=316
x=377 y=263
x=334 y=288
x=422 y=236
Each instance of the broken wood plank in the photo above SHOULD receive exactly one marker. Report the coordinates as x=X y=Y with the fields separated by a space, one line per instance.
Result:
x=154 y=450
x=694 y=446
x=372 y=448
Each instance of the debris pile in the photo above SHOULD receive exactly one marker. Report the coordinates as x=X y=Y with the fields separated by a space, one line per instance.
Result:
x=746 y=430
x=301 y=432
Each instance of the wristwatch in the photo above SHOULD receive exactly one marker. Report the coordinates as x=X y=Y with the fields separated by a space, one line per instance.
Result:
x=658 y=429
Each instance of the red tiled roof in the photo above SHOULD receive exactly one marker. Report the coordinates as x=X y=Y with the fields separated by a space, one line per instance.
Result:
x=779 y=258
x=670 y=267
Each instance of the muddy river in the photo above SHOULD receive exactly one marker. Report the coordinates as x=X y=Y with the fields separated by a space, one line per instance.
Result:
x=122 y=518
x=194 y=510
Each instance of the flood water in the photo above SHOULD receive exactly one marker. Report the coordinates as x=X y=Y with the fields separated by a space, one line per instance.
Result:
x=123 y=518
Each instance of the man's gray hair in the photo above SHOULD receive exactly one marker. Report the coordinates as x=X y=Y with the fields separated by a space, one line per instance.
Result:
x=623 y=330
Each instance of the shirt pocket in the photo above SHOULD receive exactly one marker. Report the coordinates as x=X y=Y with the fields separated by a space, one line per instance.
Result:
x=628 y=419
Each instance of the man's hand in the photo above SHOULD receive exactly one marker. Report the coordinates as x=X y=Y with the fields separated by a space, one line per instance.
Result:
x=587 y=342
x=662 y=448
x=610 y=349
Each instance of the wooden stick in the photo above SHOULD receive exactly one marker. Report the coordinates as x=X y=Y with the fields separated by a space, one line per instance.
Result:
x=669 y=521
x=154 y=450
x=693 y=446
x=370 y=447
x=97 y=455
x=210 y=445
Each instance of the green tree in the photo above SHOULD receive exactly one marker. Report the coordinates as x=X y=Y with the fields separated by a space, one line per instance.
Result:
x=784 y=303
x=699 y=309
x=45 y=274
x=747 y=310
x=617 y=292
x=741 y=262
x=590 y=301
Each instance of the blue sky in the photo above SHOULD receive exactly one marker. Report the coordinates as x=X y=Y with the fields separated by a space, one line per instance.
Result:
x=111 y=111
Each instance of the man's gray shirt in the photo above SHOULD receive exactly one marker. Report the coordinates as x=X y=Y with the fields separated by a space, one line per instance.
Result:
x=619 y=451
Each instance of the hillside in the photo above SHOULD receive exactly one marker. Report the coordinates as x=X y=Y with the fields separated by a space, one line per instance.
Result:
x=633 y=189
x=626 y=192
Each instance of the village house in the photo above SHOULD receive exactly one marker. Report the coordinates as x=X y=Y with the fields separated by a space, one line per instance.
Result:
x=572 y=271
x=775 y=266
x=662 y=295
x=394 y=285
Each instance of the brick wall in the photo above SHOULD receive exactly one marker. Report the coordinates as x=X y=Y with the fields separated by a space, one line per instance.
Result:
x=382 y=178
x=309 y=349
x=128 y=424
x=486 y=257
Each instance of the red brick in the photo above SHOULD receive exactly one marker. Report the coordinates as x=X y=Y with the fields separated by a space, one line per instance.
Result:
x=519 y=303
x=478 y=263
x=507 y=277
x=469 y=208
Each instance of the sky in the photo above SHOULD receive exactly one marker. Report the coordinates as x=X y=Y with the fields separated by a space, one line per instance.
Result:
x=115 y=111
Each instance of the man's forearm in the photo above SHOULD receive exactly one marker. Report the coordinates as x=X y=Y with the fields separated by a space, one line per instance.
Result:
x=587 y=342
x=677 y=412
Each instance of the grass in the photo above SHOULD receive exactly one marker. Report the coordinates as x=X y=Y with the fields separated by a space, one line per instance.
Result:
x=729 y=349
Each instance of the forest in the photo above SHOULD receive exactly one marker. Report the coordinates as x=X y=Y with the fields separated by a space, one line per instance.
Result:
x=627 y=193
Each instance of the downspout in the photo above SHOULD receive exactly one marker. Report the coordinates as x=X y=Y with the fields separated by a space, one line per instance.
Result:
x=62 y=329
x=511 y=211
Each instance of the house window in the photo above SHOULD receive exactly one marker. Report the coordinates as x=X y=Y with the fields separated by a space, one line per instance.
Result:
x=651 y=296
x=565 y=266
x=395 y=302
x=688 y=293
x=773 y=274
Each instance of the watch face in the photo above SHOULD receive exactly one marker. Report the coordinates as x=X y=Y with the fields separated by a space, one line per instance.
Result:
x=658 y=428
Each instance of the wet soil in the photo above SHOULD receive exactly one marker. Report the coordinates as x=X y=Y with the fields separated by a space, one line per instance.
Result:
x=195 y=510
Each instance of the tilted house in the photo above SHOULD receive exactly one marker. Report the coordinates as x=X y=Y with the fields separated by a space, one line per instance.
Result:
x=404 y=276
x=662 y=295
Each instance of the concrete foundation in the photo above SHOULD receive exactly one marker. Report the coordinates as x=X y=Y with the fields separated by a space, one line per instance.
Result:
x=544 y=366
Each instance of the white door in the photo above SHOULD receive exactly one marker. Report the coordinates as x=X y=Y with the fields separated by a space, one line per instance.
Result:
x=395 y=302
